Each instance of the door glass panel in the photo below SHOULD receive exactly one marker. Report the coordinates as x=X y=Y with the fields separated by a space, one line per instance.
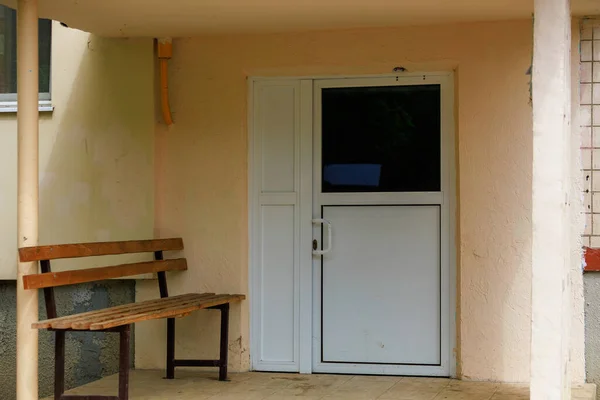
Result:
x=381 y=139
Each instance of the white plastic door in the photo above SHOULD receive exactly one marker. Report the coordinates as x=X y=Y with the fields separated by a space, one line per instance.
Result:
x=381 y=181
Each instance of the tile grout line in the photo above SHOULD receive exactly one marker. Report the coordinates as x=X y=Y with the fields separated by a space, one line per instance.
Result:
x=390 y=388
x=591 y=196
x=589 y=192
x=495 y=391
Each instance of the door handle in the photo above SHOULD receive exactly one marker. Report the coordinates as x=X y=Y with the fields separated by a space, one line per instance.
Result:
x=323 y=221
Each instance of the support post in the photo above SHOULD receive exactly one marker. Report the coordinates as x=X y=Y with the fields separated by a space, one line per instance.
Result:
x=551 y=291
x=27 y=192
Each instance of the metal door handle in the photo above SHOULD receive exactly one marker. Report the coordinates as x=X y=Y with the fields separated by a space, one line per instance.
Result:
x=323 y=221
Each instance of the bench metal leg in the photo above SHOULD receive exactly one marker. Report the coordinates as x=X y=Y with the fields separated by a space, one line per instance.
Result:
x=224 y=342
x=124 y=336
x=172 y=362
x=59 y=364
x=170 y=348
x=59 y=367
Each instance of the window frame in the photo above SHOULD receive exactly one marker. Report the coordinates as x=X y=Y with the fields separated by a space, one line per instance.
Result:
x=8 y=101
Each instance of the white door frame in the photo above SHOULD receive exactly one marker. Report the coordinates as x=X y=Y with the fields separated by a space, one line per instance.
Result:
x=305 y=325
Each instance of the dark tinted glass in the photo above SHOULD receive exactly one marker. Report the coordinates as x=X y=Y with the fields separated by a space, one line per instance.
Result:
x=8 y=51
x=381 y=139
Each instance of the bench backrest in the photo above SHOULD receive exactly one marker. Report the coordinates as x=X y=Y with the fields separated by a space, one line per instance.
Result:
x=47 y=279
x=52 y=279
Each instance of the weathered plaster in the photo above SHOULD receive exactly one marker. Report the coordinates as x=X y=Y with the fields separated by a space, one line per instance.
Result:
x=89 y=356
x=591 y=281
x=96 y=148
x=577 y=218
x=96 y=183
x=551 y=212
x=202 y=174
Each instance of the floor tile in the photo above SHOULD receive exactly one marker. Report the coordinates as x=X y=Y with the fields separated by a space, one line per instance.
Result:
x=204 y=385
x=415 y=388
x=258 y=395
x=311 y=387
x=498 y=396
x=277 y=396
x=462 y=390
x=360 y=389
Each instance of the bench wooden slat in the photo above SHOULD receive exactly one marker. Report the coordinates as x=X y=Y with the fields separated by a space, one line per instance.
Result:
x=140 y=308
x=85 y=324
x=53 y=279
x=168 y=307
x=66 y=321
x=75 y=250
x=168 y=312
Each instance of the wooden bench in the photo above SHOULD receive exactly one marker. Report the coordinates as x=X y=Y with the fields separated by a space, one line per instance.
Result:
x=119 y=319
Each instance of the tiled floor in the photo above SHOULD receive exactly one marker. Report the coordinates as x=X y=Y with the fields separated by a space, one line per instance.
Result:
x=197 y=385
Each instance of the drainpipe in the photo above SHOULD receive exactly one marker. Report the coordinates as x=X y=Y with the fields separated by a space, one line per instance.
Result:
x=27 y=194
x=165 y=52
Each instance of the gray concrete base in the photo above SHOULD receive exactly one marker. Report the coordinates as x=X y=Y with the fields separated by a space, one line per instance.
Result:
x=90 y=356
x=591 y=283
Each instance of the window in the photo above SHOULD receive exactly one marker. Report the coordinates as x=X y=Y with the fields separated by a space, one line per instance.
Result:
x=381 y=139
x=8 y=56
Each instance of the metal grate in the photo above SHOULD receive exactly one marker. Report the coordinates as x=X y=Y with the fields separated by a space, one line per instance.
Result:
x=590 y=127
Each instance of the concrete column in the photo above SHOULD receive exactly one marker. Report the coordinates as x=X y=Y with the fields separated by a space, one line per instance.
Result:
x=551 y=291
x=27 y=207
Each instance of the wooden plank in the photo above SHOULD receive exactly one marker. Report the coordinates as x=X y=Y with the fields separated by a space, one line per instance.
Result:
x=592 y=259
x=84 y=323
x=75 y=250
x=53 y=279
x=46 y=323
x=102 y=312
x=66 y=321
x=168 y=313
x=113 y=312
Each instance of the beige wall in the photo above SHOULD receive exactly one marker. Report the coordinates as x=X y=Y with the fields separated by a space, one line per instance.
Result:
x=96 y=148
x=96 y=168
x=202 y=172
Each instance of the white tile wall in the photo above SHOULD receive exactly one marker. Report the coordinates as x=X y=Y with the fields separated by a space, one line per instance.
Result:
x=586 y=155
x=590 y=127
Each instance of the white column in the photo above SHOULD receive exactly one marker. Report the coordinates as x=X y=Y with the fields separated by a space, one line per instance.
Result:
x=27 y=208
x=551 y=291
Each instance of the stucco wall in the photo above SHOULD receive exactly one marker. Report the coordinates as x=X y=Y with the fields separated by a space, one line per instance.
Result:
x=96 y=148
x=201 y=174
x=88 y=356
x=96 y=183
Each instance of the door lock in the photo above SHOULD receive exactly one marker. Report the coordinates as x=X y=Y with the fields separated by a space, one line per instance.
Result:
x=315 y=244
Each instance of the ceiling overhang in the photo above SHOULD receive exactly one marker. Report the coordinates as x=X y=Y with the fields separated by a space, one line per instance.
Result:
x=177 y=18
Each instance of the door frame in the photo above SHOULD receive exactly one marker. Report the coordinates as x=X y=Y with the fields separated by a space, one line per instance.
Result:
x=305 y=297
